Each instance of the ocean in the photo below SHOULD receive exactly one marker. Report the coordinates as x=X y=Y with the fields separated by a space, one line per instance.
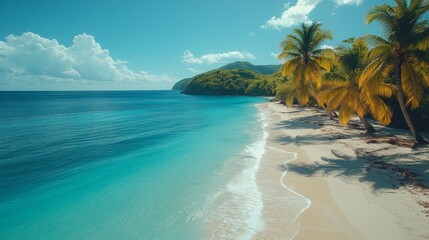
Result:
x=129 y=165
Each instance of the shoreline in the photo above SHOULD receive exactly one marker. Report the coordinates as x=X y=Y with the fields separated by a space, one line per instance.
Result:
x=357 y=190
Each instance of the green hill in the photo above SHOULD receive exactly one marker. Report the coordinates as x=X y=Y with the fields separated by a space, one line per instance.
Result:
x=232 y=82
x=261 y=69
x=180 y=85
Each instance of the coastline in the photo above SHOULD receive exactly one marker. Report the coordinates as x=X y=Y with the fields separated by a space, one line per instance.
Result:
x=357 y=190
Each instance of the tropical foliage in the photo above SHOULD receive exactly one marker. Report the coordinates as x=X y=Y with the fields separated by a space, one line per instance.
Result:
x=342 y=90
x=290 y=91
x=404 y=53
x=261 y=69
x=232 y=82
x=305 y=60
x=261 y=88
x=357 y=80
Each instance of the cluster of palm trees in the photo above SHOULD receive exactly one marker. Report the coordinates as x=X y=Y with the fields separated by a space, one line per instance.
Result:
x=356 y=78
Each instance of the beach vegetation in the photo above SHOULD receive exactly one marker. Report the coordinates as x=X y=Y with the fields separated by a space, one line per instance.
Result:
x=342 y=92
x=290 y=93
x=306 y=60
x=362 y=77
x=403 y=52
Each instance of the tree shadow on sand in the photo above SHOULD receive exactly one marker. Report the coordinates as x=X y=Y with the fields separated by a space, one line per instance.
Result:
x=302 y=122
x=376 y=168
x=382 y=168
x=325 y=139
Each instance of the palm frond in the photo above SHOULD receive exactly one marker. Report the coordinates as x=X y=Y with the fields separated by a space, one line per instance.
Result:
x=289 y=67
x=345 y=114
x=412 y=85
x=379 y=109
x=333 y=77
x=374 y=40
x=381 y=13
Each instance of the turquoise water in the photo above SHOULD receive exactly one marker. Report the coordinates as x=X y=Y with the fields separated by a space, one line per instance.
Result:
x=120 y=165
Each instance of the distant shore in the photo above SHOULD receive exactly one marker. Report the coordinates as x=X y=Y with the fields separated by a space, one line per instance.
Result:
x=338 y=183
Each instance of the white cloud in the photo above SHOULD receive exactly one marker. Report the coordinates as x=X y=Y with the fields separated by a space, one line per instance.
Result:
x=324 y=46
x=190 y=58
x=251 y=34
x=30 y=57
x=274 y=55
x=194 y=70
x=215 y=57
x=293 y=15
x=348 y=2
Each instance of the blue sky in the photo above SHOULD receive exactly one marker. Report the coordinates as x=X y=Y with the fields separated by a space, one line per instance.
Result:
x=151 y=44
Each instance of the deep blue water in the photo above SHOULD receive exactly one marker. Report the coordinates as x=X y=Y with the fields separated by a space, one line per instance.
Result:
x=117 y=164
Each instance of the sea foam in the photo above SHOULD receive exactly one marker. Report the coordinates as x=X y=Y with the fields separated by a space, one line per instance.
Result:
x=294 y=203
x=241 y=202
x=298 y=200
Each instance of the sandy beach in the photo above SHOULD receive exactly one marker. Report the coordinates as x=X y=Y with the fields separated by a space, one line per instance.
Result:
x=322 y=180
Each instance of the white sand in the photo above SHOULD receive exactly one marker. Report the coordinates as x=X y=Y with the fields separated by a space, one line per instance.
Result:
x=357 y=190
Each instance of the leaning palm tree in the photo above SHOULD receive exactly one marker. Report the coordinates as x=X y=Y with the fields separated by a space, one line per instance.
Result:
x=342 y=90
x=403 y=52
x=305 y=60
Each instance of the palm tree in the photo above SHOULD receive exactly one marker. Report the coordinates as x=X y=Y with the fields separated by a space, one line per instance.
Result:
x=403 y=52
x=342 y=89
x=288 y=92
x=305 y=60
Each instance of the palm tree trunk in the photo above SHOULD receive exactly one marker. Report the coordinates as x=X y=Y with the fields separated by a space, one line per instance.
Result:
x=368 y=126
x=400 y=97
x=323 y=106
